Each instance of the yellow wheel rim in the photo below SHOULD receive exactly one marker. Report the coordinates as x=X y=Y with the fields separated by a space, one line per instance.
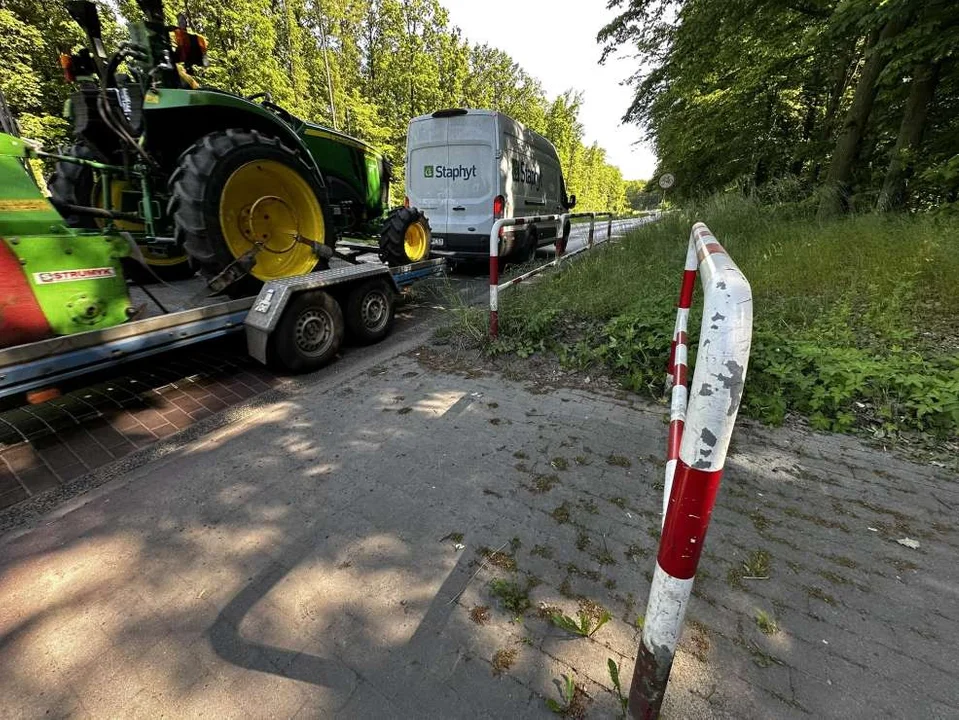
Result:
x=267 y=203
x=117 y=188
x=415 y=242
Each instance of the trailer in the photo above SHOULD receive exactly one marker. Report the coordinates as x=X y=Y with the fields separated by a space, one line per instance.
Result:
x=294 y=324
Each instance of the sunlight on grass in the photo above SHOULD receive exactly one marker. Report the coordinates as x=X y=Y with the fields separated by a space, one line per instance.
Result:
x=856 y=320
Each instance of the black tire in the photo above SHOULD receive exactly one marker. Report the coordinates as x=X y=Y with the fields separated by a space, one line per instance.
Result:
x=528 y=251
x=72 y=184
x=370 y=310
x=197 y=184
x=393 y=234
x=309 y=334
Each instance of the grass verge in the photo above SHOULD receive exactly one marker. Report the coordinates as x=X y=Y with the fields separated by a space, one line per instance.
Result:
x=856 y=321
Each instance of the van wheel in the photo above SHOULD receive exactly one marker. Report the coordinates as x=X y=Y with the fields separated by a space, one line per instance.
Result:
x=370 y=309
x=405 y=237
x=528 y=253
x=309 y=334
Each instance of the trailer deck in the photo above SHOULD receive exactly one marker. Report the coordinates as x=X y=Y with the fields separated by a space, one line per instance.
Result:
x=172 y=315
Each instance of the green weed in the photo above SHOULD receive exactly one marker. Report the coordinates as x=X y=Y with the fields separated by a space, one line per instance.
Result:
x=512 y=597
x=766 y=623
x=623 y=699
x=571 y=696
x=757 y=565
x=585 y=624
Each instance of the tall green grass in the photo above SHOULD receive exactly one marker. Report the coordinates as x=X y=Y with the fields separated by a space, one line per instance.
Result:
x=856 y=320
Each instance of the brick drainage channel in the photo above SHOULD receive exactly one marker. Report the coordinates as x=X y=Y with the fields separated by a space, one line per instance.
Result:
x=107 y=416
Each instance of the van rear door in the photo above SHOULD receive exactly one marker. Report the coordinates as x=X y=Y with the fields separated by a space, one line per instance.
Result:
x=472 y=173
x=426 y=184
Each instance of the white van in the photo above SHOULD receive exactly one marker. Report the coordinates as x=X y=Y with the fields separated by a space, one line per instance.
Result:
x=467 y=168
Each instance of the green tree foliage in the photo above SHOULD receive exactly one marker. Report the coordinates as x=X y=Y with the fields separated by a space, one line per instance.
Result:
x=364 y=67
x=852 y=103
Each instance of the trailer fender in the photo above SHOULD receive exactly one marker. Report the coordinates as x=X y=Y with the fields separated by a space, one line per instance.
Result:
x=275 y=297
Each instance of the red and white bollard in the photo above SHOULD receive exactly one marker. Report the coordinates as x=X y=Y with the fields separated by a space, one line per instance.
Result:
x=699 y=435
x=494 y=280
x=678 y=372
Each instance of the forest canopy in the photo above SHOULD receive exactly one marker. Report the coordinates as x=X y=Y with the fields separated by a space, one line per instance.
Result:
x=851 y=104
x=364 y=67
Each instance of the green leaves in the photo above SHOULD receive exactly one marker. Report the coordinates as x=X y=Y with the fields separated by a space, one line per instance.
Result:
x=586 y=625
x=738 y=95
x=614 y=678
x=567 y=693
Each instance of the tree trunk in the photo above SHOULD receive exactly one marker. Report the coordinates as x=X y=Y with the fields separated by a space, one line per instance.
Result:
x=921 y=92
x=835 y=194
x=842 y=73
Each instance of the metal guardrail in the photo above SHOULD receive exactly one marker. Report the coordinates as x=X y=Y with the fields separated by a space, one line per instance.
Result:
x=495 y=286
x=701 y=423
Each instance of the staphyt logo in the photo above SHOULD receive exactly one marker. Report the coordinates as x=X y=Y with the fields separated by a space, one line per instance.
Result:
x=525 y=174
x=460 y=172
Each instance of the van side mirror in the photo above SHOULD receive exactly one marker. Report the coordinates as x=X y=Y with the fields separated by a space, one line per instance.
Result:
x=571 y=202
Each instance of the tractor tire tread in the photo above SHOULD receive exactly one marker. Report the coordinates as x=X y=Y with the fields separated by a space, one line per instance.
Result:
x=392 y=250
x=196 y=225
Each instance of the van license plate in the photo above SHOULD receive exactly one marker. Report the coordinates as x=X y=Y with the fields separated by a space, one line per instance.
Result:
x=438 y=242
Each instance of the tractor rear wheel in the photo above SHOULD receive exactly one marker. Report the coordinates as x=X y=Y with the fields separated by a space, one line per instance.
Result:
x=236 y=191
x=405 y=237
x=73 y=184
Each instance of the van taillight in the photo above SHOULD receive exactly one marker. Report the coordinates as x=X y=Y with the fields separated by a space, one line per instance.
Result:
x=406 y=201
x=499 y=206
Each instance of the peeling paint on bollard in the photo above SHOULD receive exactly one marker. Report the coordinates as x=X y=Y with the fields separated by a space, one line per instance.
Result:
x=700 y=428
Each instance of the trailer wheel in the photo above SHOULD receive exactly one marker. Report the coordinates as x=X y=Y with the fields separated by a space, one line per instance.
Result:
x=309 y=334
x=405 y=237
x=370 y=309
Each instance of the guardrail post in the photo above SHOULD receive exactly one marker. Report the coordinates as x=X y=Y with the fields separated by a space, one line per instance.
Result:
x=609 y=228
x=592 y=225
x=494 y=278
x=560 y=244
x=703 y=440
x=677 y=372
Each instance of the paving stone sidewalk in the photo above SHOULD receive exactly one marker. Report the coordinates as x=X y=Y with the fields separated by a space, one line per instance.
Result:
x=324 y=558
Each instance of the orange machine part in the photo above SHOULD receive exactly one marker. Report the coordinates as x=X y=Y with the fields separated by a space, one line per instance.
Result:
x=21 y=319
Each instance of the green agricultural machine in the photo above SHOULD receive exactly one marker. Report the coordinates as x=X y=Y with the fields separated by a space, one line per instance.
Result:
x=233 y=187
x=54 y=280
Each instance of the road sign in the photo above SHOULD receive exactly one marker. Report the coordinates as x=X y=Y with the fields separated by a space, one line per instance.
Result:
x=666 y=181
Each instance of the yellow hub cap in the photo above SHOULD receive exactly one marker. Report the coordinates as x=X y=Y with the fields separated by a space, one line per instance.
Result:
x=266 y=203
x=415 y=242
x=117 y=188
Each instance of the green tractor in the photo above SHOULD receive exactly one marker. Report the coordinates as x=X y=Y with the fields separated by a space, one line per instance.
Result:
x=236 y=188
